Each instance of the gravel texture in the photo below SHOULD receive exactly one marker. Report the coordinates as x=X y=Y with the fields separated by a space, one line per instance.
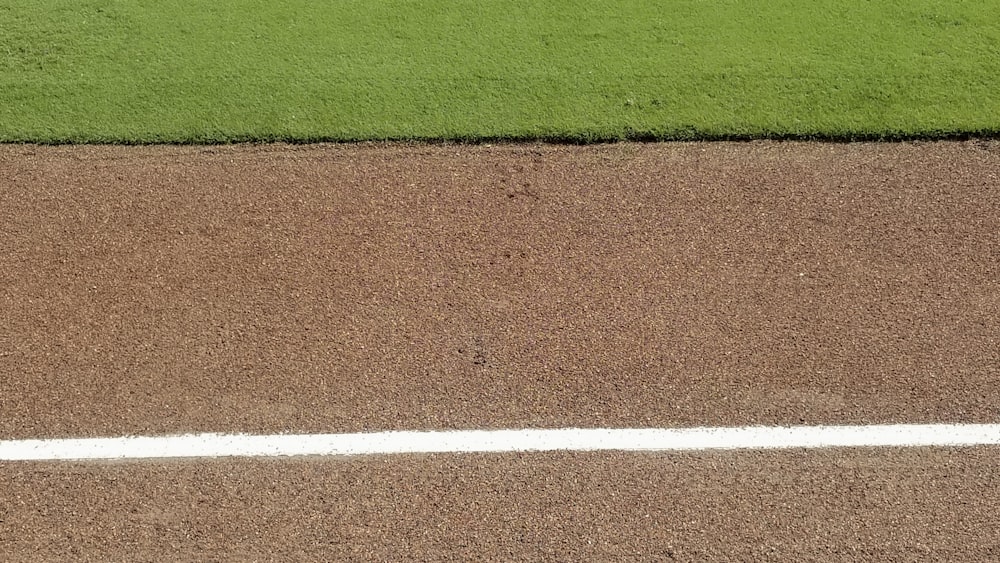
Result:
x=331 y=288
x=849 y=505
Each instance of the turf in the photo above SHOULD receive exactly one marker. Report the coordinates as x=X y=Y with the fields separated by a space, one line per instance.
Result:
x=138 y=71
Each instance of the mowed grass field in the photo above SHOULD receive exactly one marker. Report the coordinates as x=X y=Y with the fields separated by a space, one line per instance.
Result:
x=144 y=71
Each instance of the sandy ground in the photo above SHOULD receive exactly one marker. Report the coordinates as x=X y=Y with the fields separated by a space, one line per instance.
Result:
x=851 y=505
x=347 y=288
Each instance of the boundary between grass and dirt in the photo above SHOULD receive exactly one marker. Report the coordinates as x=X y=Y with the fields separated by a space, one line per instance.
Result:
x=567 y=139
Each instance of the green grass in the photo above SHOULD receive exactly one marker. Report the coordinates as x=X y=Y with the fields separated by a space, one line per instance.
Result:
x=139 y=71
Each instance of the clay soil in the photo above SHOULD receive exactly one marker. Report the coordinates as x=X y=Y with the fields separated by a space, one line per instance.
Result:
x=327 y=288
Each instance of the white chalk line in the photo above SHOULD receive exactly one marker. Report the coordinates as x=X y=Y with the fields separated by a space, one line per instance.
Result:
x=213 y=445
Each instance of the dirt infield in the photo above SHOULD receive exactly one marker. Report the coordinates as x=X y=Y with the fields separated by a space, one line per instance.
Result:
x=151 y=290
x=858 y=505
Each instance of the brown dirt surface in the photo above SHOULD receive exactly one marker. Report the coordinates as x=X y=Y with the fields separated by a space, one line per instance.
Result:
x=850 y=505
x=349 y=288
x=329 y=288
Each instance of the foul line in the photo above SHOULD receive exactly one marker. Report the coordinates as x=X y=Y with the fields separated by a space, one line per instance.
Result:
x=486 y=441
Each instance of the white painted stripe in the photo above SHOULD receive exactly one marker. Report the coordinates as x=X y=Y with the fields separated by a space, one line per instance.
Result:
x=467 y=441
